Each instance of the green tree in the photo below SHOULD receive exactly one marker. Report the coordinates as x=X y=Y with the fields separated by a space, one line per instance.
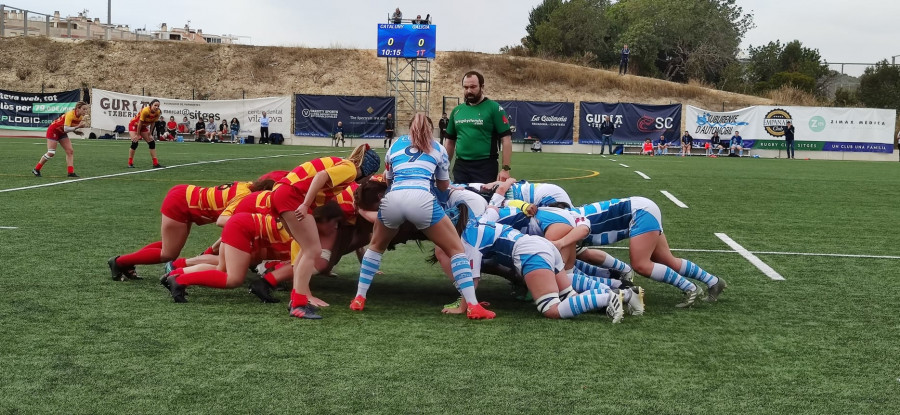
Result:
x=879 y=86
x=576 y=28
x=538 y=16
x=774 y=65
x=682 y=39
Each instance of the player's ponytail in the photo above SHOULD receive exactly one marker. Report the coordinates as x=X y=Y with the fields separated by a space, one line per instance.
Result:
x=420 y=130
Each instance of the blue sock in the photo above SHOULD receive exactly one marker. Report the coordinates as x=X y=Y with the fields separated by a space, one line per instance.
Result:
x=371 y=262
x=581 y=282
x=462 y=278
x=613 y=263
x=691 y=270
x=587 y=301
x=667 y=275
x=590 y=269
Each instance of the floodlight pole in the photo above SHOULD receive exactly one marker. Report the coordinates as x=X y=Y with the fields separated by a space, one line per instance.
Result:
x=109 y=12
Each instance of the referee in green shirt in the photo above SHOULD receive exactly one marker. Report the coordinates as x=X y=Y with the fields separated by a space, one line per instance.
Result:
x=475 y=133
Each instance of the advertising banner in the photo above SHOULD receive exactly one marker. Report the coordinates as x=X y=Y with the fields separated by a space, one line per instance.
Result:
x=109 y=109
x=362 y=117
x=815 y=128
x=551 y=122
x=702 y=124
x=633 y=122
x=34 y=111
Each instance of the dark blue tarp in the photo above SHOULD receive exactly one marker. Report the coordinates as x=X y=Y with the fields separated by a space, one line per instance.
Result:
x=633 y=122
x=34 y=111
x=551 y=122
x=318 y=115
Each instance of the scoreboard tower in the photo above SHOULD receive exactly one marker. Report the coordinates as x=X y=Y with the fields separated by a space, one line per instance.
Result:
x=409 y=50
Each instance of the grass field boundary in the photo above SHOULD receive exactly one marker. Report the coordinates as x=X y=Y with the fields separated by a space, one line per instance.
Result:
x=674 y=199
x=197 y=163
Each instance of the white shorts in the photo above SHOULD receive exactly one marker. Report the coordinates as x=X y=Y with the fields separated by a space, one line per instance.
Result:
x=533 y=252
x=416 y=206
x=645 y=216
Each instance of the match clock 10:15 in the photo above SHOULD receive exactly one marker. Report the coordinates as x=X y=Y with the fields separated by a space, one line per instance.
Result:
x=406 y=40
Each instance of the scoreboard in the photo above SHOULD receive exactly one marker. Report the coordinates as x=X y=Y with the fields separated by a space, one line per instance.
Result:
x=406 y=40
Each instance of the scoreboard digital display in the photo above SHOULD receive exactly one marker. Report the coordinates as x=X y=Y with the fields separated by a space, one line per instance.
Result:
x=406 y=40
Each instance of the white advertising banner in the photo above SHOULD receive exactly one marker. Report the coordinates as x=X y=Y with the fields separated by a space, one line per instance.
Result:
x=815 y=128
x=109 y=109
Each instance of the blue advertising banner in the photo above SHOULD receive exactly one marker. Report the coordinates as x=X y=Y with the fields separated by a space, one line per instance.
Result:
x=551 y=122
x=633 y=122
x=362 y=117
x=34 y=111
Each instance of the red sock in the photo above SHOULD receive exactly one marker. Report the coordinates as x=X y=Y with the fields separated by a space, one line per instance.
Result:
x=177 y=271
x=130 y=161
x=155 y=161
x=39 y=166
x=179 y=262
x=270 y=279
x=211 y=278
x=71 y=169
x=157 y=244
x=144 y=256
x=298 y=300
x=208 y=251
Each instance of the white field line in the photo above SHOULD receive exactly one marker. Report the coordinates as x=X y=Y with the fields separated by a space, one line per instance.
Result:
x=765 y=268
x=729 y=251
x=612 y=160
x=642 y=175
x=9 y=227
x=623 y=165
x=153 y=170
x=674 y=199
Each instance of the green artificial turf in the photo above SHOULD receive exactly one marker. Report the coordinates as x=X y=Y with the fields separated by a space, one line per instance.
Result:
x=825 y=340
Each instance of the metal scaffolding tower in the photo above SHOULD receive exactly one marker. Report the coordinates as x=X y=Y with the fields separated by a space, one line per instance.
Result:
x=409 y=82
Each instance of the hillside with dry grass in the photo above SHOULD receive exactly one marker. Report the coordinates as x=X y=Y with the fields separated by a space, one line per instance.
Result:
x=206 y=71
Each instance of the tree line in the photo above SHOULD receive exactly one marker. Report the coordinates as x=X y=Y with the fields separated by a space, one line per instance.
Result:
x=681 y=40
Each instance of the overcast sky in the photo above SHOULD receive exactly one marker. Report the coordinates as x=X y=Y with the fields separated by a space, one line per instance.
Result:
x=847 y=31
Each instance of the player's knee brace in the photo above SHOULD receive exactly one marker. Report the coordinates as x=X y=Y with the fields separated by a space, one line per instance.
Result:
x=152 y=144
x=134 y=145
x=49 y=154
x=546 y=302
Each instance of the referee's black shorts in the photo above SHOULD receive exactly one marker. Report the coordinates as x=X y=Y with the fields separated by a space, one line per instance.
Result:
x=475 y=171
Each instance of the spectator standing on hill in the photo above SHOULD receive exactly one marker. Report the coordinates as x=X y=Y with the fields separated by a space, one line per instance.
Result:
x=264 y=128
x=606 y=132
x=737 y=143
x=789 y=140
x=388 y=130
x=398 y=16
x=623 y=61
x=476 y=132
x=442 y=125
x=58 y=135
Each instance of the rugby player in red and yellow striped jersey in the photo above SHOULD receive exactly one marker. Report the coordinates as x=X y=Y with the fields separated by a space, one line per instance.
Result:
x=295 y=197
x=183 y=205
x=139 y=128
x=57 y=134
x=245 y=235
